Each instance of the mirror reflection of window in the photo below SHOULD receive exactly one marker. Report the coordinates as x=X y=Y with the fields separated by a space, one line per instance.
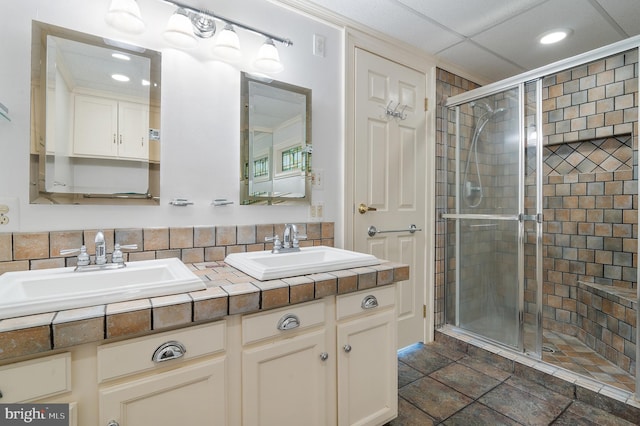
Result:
x=261 y=167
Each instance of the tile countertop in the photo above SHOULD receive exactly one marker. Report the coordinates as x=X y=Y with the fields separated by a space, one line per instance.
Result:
x=228 y=292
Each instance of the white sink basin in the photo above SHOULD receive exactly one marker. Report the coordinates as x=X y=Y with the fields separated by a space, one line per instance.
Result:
x=264 y=265
x=47 y=290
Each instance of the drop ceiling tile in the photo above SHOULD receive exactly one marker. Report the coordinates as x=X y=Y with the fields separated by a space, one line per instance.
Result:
x=399 y=22
x=516 y=38
x=625 y=12
x=479 y=62
x=470 y=17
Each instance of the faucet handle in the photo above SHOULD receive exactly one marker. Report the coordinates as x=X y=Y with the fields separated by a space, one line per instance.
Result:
x=296 y=239
x=117 y=256
x=83 y=256
x=277 y=245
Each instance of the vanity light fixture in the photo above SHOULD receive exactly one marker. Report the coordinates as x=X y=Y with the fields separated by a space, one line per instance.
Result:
x=554 y=36
x=124 y=15
x=268 y=59
x=179 y=31
x=227 y=44
x=187 y=25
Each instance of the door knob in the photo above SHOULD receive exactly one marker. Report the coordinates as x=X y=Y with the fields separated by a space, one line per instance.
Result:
x=363 y=208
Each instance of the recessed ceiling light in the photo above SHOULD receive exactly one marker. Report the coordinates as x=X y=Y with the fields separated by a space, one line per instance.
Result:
x=554 y=36
x=121 y=56
x=120 y=77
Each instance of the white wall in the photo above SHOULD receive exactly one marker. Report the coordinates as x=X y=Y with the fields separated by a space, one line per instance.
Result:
x=200 y=116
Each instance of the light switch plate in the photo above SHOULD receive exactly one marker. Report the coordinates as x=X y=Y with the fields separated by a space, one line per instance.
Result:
x=319 y=45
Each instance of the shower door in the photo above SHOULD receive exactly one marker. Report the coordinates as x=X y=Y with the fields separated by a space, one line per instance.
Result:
x=485 y=217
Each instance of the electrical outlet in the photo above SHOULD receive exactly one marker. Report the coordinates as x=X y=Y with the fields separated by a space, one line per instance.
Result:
x=9 y=214
x=319 y=44
x=319 y=210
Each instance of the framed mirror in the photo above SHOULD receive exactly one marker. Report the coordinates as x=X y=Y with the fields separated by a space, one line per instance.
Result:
x=276 y=150
x=95 y=120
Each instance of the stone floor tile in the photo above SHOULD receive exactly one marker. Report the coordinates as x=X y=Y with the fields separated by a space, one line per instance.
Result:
x=521 y=406
x=478 y=414
x=581 y=414
x=434 y=398
x=465 y=380
x=407 y=374
x=410 y=415
x=425 y=361
x=483 y=367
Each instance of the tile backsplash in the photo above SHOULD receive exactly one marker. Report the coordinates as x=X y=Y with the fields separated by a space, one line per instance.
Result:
x=38 y=250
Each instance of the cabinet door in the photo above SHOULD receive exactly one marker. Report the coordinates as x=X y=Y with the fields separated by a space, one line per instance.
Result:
x=193 y=395
x=133 y=124
x=95 y=126
x=284 y=383
x=367 y=370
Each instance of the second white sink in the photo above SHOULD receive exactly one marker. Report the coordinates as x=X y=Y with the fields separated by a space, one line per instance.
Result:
x=264 y=265
x=47 y=290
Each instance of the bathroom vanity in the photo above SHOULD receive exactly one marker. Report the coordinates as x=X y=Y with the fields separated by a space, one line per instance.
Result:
x=323 y=355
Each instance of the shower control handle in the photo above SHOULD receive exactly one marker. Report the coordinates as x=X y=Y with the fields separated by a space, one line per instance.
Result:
x=363 y=208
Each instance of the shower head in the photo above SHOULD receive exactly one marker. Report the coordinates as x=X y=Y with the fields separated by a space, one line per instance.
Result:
x=499 y=111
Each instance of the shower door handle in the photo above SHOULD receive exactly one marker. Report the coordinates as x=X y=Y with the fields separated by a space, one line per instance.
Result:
x=363 y=208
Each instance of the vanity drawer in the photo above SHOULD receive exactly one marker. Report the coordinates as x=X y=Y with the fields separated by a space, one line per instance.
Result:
x=265 y=325
x=136 y=355
x=365 y=301
x=52 y=374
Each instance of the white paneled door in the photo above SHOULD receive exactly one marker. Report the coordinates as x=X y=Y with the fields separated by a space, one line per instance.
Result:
x=390 y=163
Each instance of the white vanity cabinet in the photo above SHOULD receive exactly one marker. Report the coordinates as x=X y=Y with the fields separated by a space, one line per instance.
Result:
x=366 y=357
x=166 y=379
x=110 y=128
x=53 y=376
x=288 y=367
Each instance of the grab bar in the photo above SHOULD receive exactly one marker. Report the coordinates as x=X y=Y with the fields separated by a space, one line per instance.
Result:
x=372 y=231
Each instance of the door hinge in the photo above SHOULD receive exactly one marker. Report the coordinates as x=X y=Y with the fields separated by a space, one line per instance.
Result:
x=424 y=311
x=426 y=104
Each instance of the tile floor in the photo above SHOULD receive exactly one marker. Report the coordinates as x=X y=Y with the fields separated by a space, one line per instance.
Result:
x=570 y=353
x=440 y=385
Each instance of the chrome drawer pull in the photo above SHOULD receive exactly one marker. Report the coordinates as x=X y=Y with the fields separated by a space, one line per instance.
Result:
x=288 y=322
x=324 y=356
x=113 y=423
x=168 y=351
x=369 y=302
x=347 y=348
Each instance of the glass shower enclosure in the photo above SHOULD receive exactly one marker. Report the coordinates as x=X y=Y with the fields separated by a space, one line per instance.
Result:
x=493 y=217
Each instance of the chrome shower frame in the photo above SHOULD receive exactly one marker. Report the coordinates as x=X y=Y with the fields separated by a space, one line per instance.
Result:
x=522 y=79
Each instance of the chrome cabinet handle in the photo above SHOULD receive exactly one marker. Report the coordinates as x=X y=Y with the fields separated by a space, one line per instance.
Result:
x=113 y=423
x=347 y=348
x=369 y=302
x=168 y=351
x=288 y=322
x=324 y=356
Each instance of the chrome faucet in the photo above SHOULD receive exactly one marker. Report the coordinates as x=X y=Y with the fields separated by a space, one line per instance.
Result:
x=290 y=240
x=84 y=262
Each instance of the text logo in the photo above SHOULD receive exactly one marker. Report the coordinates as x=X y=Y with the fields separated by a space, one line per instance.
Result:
x=34 y=414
